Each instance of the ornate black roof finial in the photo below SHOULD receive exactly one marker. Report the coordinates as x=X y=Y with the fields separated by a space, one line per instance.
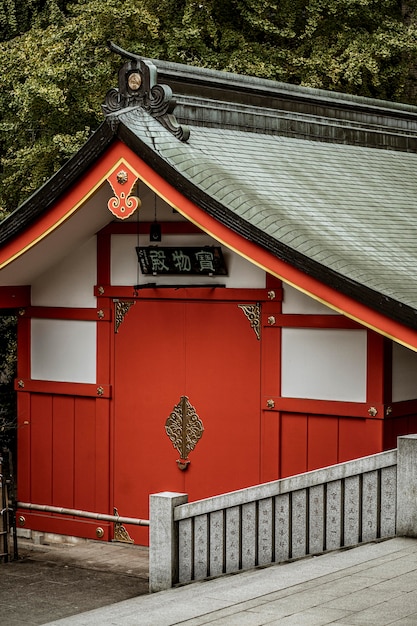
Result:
x=138 y=87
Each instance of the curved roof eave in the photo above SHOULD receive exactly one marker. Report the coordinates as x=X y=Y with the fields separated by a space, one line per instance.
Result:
x=96 y=146
x=251 y=87
x=382 y=304
x=44 y=197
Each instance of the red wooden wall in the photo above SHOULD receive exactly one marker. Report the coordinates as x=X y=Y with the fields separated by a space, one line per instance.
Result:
x=82 y=449
x=63 y=460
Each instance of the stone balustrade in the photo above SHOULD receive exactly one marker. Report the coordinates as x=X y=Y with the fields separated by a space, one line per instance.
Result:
x=343 y=505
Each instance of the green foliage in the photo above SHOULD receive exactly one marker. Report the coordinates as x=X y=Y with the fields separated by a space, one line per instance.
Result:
x=7 y=375
x=56 y=70
x=57 y=67
x=367 y=47
x=55 y=77
x=17 y=16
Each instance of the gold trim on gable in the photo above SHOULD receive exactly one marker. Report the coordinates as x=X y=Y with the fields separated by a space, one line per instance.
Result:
x=122 y=161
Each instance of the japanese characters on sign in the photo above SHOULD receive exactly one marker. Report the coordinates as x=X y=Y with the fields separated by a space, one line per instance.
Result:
x=206 y=260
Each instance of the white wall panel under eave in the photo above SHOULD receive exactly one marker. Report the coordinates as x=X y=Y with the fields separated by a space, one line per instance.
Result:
x=125 y=267
x=299 y=303
x=404 y=373
x=63 y=350
x=71 y=282
x=324 y=364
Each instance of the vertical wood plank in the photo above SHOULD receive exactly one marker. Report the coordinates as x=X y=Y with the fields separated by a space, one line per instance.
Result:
x=270 y=388
x=85 y=454
x=102 y=447
x=270 y=434
x=63 y=451
x=41 y=449
x=293 y=450
x=23 y=447
x=322 y=441
x=359 y=437
x=104 y=492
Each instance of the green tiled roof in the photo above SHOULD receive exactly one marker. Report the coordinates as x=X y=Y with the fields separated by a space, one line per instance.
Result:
x=324 y=181
x=351 y=209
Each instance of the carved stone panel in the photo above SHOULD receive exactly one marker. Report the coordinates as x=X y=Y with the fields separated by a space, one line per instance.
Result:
x=282 y=527
x=316 y=519
x=185 y=551
x=370 y=506
x=265 y=534
x=352 y=510
x=388 y=505
x=216 y=543
x=299 y=520
x=333 y=515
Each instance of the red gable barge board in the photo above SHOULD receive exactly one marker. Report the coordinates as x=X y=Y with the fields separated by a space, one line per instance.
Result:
x=300 y=353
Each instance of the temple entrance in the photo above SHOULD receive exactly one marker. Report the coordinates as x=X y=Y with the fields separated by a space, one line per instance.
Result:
x=168 y=350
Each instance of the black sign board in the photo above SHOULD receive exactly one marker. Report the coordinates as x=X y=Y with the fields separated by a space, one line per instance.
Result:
x=205 y=260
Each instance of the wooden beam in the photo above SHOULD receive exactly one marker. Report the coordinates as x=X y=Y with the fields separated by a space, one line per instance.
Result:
x=14 y=297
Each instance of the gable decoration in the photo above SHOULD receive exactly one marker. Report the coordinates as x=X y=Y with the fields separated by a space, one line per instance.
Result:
x=122 y=180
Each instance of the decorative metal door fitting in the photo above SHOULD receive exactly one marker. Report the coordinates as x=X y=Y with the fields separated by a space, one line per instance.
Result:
x=120 y=532
x=121 y=307
x=184 y=428
x=253 y=313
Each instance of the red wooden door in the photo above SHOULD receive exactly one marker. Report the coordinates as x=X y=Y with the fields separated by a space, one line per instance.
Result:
x=208 y=352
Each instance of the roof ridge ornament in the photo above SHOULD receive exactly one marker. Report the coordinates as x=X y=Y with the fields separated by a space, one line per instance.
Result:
x=138 y=87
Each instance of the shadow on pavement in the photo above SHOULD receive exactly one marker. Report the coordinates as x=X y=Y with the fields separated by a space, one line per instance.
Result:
x=49 y=582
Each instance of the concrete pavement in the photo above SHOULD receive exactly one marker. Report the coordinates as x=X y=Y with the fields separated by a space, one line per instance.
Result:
x=52 y=581
x=374 y=584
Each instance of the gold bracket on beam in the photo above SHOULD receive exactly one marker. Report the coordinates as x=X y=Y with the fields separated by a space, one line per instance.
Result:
x=253 y=313
x=121 y=307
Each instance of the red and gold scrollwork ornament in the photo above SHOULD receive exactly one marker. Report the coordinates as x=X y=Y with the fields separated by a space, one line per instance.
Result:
x=122 y=204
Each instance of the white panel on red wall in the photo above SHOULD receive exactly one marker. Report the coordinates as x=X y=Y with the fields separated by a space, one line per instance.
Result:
x=324 y=364
x=71 y=282
x=295 y=301
x=404 y=373
x=63 y=350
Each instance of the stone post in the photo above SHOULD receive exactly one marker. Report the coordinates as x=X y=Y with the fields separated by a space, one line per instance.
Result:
x=407 y=486
x=163 y=543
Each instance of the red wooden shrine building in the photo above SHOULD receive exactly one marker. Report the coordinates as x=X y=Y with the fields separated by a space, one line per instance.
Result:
x=213 y=294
